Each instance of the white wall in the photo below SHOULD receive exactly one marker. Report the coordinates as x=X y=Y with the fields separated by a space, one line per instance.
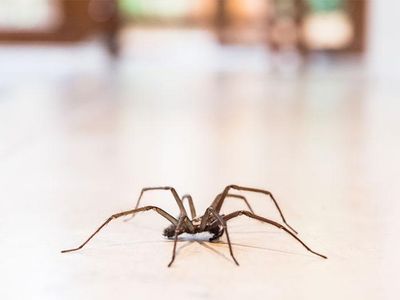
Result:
x=384 y=38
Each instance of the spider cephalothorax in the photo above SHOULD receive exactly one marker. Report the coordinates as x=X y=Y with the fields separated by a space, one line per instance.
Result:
x=216 y=230
x=211 y=221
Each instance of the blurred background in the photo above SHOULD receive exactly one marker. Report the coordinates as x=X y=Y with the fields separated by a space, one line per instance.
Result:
x=99 y=98
x=283 y=26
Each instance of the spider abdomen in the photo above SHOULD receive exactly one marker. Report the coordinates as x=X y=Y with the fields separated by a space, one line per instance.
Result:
x=169 y=232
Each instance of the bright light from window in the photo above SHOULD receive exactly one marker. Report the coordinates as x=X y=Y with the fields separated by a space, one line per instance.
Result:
x=29 y=14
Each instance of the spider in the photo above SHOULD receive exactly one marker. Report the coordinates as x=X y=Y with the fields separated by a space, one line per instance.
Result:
x=211 y=221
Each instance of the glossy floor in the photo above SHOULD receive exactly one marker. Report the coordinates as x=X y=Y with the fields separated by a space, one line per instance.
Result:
x=77 y=144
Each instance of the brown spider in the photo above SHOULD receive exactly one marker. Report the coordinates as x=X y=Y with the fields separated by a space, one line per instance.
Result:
x=212 y=221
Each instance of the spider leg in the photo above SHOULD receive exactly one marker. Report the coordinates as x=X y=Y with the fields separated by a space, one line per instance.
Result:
x=237 y=197
x=125 y=213
x=191 y=205
x=168 y=188
x=273 y=223
x=206 y=218
x=177 y=232
x=217 y=204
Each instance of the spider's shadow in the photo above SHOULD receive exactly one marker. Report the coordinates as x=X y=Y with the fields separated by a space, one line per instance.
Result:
x=204 y=242
x=208 y=245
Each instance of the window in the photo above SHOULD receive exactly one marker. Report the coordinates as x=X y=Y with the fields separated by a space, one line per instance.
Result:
x=26 y=15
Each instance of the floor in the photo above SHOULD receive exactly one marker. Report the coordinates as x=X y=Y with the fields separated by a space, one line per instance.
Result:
x=80 y=136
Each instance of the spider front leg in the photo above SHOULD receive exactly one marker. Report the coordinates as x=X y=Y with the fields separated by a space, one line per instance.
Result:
x=177 y=232
x=125 y=213
x=206 y=219
x=273 y=223
x=191 y=205
x=161 y=188
x=218 y=202
x=237 y=197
